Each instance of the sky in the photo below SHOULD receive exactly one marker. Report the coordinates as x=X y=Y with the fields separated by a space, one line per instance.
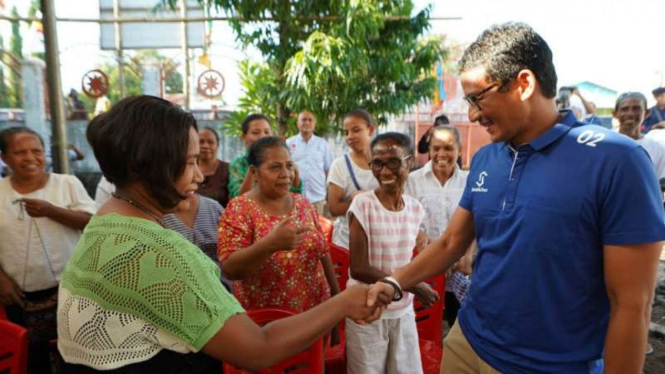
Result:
x=612 y=43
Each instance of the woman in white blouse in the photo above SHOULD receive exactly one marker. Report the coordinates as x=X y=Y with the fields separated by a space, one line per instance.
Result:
x=350 y=174
x=439 y=186
x=41 y=218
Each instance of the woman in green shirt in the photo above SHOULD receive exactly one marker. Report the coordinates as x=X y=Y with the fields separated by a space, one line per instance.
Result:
x=253 y=127
x=136 y=297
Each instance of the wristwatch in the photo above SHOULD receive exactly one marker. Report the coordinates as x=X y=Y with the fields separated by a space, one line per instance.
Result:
x=398 y=289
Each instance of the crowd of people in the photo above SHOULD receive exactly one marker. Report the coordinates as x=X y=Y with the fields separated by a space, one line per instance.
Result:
x=550 y=241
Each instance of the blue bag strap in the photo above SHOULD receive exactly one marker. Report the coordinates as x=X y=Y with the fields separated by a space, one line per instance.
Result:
x=353 y=175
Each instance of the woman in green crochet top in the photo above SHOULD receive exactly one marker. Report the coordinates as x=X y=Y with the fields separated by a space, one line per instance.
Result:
x=136 y=297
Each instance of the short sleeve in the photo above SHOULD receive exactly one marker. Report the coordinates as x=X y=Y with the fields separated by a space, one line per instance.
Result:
x=631 y=209
x=360 y=209
x=235 y=229
x=338 y=174
x=80 y=201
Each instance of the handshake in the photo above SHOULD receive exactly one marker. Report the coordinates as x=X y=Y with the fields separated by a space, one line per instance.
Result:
x=366 y=303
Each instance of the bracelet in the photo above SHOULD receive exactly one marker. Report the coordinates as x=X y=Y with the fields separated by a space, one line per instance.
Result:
x=398 y=290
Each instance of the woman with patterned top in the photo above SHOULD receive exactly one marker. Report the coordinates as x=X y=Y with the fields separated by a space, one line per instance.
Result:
x=270 y=241
x=253 y=127
x=139 y=298
x=215 y=171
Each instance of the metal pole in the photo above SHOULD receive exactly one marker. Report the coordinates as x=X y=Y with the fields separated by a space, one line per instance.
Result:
x=118 y=48
x=185 y=52
x=58 y=120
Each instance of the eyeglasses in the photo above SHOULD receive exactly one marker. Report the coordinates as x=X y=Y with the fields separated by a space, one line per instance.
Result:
x=393 y=164
x=474 y=99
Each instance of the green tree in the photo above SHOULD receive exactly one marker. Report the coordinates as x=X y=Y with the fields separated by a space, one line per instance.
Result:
x=5 y=101
x=16 y=48
x=35 y=7
x=333 y=56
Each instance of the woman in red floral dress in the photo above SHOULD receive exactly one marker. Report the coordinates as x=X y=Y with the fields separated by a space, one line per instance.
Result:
x=270 y=241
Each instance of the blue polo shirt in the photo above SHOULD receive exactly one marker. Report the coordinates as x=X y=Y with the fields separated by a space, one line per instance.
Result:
x=542 y=213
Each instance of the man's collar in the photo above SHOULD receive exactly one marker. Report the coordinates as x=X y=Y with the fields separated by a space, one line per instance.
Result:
x=554 y=133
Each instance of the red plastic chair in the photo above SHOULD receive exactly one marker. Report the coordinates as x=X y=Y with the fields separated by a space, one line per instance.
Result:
x=430 y=320
x=340 y=260
x=13 y=348
x=307 y=362
x=430 y=356
x=336 y=355
x=327 y=227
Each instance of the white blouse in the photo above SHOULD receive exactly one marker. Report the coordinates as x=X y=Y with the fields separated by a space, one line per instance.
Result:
x=34 y=251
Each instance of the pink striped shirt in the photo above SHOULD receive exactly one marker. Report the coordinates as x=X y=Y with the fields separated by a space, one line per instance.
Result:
x=391 y=238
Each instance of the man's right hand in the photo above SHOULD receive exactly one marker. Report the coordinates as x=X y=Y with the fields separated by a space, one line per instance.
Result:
x=380 y=293
x=10 y=292
x=357 y=308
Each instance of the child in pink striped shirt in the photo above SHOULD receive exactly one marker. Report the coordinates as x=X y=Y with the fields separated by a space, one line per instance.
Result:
x=384 y=225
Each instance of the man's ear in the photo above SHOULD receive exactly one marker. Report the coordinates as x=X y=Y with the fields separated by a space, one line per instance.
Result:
x=526 y=84
x=614 y=114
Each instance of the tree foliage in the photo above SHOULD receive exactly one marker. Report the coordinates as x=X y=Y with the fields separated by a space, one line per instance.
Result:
x=336 y=55
x=16 y=49
x=5 y=101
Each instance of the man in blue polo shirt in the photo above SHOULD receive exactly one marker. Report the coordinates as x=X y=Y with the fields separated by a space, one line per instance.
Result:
x=313 y=156
x=568 y=221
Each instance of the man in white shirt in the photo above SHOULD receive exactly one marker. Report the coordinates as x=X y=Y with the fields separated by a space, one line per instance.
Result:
x=630 y=109
x=313 y=156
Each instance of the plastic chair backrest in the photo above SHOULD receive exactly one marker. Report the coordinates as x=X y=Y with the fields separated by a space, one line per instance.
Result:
x=307 y=362
x=340 y=260
x=429 y=321
x=327 y=227
x=13 y=348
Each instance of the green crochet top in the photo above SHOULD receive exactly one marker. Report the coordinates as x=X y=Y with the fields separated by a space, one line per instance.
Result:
x=135 y=266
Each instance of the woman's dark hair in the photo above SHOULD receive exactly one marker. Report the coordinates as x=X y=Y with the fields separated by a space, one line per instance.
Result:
x=362 y=114
x=256 y=153
x=213 y=131
x=143 y=139
x=449 y=128
x=6 y=136
x=400 y=139
x=252 y=117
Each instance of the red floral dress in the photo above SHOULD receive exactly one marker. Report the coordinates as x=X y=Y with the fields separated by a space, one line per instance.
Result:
x=288 y=279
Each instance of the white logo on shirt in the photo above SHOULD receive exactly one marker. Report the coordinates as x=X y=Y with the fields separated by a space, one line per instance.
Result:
x=480 y=182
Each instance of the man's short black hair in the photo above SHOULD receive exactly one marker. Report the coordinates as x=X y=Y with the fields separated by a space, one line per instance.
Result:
x=143 y=139
x=503 y=50
x=6 y=136
x=402 y=140
x=257 y=151
x=252 y=117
